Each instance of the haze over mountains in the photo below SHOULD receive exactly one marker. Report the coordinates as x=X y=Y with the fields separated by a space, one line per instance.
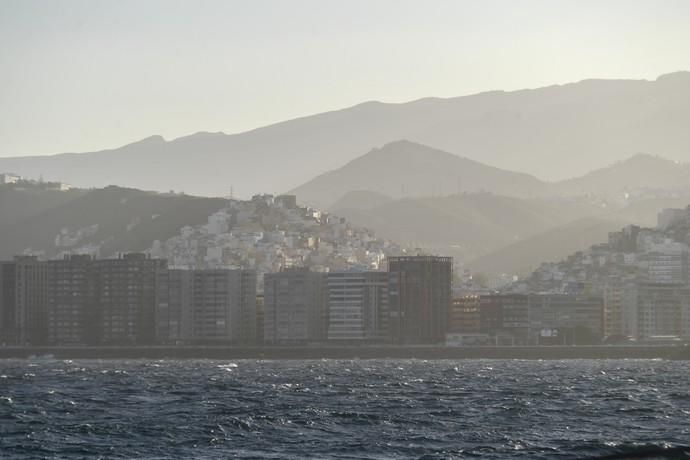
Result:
x=502 y=181
x=406 y=169
x=503 y=221
x=553 y=133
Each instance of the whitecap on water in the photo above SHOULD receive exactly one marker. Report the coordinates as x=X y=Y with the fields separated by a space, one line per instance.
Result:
x=227 y=367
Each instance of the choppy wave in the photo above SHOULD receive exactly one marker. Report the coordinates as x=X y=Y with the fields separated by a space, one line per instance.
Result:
x=341 y=409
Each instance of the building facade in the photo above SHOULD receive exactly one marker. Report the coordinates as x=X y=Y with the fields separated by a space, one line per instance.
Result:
x=464 y=316
x=206 y=306
x=661 y=310
x=357 y=306
x=73 y=315
x=295 y=306
x=563 y=319
x=419 y=295
x=8 y=323
x=126 y=297
x=31 y=281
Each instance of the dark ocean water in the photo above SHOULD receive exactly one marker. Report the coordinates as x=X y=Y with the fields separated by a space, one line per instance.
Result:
x=340 y=409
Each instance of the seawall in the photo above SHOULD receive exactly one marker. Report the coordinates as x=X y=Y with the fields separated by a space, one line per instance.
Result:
x=344 y=352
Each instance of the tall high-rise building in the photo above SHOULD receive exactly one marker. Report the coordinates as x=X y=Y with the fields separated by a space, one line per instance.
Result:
x=126 y=297
x=295 y=306
x=419 y=298
x=31 y=279
x=358 y=305
x=8 y=281
x=224 y=305
x=174 y=309
x=72 y=311
x=198 y=306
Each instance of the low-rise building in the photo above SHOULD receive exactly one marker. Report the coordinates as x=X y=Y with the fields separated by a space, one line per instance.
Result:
x=9 y=178
x=465 y=315
x=565 y=319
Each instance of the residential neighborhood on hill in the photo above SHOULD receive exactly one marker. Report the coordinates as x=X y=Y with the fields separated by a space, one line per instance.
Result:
x=642 y=275
x=270 y=233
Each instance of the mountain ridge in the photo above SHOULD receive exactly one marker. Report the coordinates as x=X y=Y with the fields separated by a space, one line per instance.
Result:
x=552 y=133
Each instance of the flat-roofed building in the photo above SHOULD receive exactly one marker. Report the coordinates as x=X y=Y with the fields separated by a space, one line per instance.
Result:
x=505 y=317
x=174 y=310
x=419 y=294
x=295 y=306
x=8 y=323
x=662 y=310
x=206 y=306
x=464 y=315
x=126 y=296
x=73 y=316
x=31 y=280
x=566 y=319
x=358 y=306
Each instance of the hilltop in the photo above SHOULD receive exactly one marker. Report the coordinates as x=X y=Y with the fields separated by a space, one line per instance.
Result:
x=406 y=169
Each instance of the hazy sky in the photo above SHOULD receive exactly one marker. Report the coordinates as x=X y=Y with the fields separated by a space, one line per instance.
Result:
x=86 y=75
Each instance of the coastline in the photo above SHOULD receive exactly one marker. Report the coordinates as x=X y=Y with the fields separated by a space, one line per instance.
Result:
x=349 y=352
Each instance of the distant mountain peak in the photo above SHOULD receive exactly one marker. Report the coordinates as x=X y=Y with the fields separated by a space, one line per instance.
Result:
x=643 y=157
x=406 y=144
x=553 y=133
x=154 y=138
x=679 y=76
x=407 y=169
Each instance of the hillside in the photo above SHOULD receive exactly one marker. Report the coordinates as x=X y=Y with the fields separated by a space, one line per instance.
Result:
x=407 y=169
x=22 y=202
x=116 y=219
x=466 y=225
x=640 y=171
x=554 y=133
x=360 y=199
x=524 y=256
x=553 y=245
